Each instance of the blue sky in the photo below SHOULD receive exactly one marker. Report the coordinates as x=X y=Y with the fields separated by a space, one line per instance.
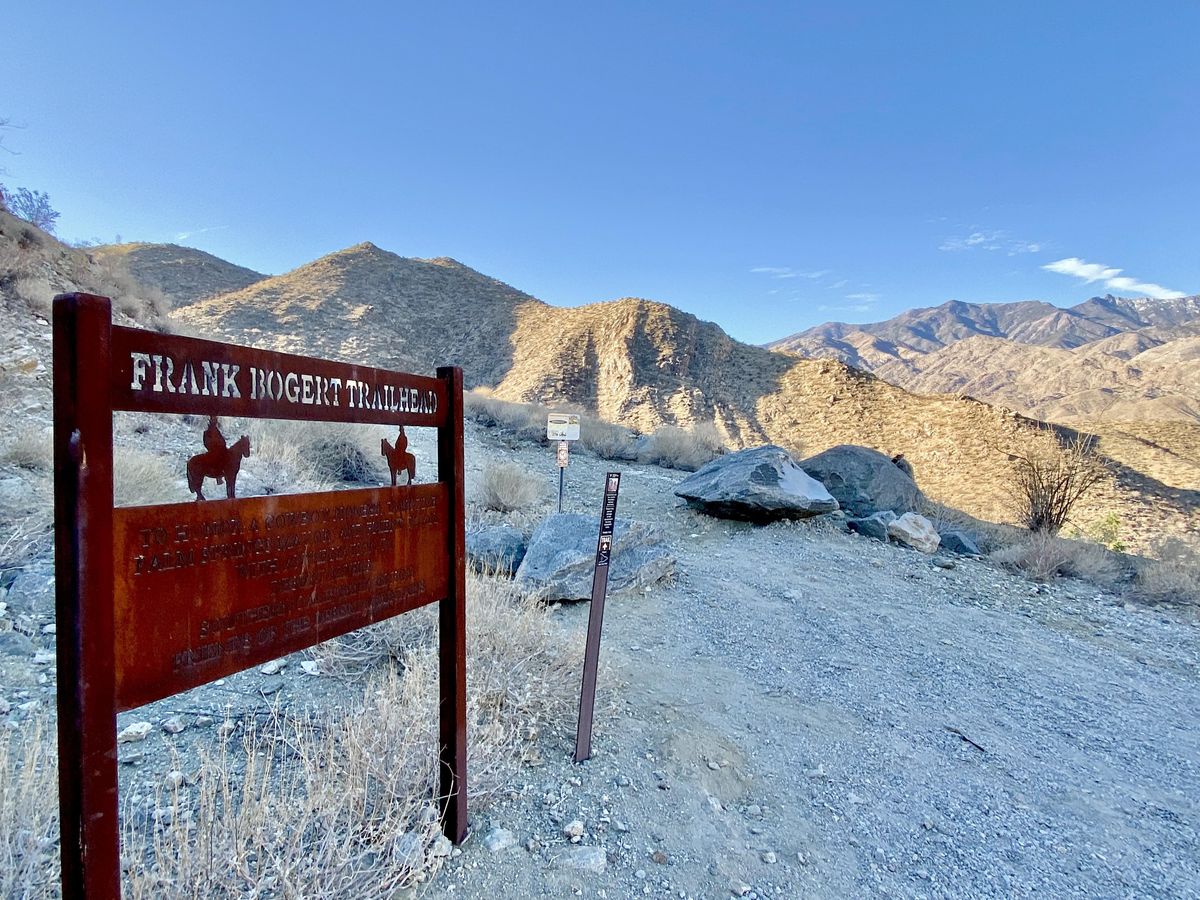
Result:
x=765 y=166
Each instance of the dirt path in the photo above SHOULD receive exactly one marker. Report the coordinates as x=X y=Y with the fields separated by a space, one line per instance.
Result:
x=811 y=714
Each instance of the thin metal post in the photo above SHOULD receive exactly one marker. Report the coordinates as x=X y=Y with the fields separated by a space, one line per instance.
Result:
x=83 y=564
x=561 y=473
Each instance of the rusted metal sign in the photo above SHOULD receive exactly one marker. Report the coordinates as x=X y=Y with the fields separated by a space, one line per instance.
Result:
x=154 y=600
x=591 y=651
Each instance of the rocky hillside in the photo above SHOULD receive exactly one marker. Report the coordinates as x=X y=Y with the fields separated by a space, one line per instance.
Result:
x=364 y=303
x=183 y=274
x=644 y=364
x=1108 y=358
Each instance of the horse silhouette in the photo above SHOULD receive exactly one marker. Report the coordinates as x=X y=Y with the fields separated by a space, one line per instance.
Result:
x=218 y=461
x=398 y=459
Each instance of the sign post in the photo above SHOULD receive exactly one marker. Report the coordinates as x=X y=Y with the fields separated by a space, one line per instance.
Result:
x=564 y=428
x=154 y=600
x=591 y=652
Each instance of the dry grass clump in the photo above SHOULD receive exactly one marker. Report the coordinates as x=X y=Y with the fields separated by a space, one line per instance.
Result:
x=28 y=812
x=1175 y=576
x=311 y=455
x=506 y=487
x=140 y=478
x=1041 y=556
x=338 y=805
x=143 y=303
x=684 y=448
x=605 y=439
x=526 y=421
x=30 y=448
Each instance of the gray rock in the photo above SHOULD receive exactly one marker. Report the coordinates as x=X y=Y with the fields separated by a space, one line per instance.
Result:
x=32 y=591
x=873 y=526
x=959 y=542
x=499 y=839
x=496 y=548
x=13 y=643
x=586 y=859
x=407 y=850
x=560 y=559
x=863 y=480
x=915 y=531
x=761 y=484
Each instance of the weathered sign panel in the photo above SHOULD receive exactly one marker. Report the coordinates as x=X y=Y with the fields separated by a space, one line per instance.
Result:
x=562 y=427
x=154 y=600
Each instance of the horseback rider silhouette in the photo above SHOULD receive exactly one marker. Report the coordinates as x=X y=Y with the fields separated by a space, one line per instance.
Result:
x=215 y=444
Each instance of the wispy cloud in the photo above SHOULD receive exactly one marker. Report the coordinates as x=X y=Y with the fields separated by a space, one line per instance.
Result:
x=789 y=272
x=1112 y=278
x=990 y=240
x=864 y=297
x=186 y=235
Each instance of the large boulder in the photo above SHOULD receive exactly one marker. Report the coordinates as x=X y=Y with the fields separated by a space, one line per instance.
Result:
x=915 y=531
x=760 y=484
x=560 y=559
x=496 y=548
x=873 y=526
x=864 y=481
x=959 y=542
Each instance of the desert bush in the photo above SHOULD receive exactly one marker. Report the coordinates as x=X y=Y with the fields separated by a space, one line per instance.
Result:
x=28 y=811
x=1042 y=556
x=525 y=420
x=1174 y=577
x=506 y=487
x=140 y=478
x=605 y=439
x=30 y=448
x=683 y=448
x=32 y=206
x=143 y=303
x=307 y=455
x=1052 y=475
x=37 y=294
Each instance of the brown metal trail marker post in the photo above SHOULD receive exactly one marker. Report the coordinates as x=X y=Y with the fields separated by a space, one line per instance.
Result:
x=591 y=651
x=154 y=600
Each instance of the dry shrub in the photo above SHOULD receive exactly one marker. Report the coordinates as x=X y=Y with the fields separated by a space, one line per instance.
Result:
x=30 y=448
x=312 y=455
x=143 y=303
x=506 y=487
x=1052 y=474
x=141 y=478
x=28 y=812
x=684 y=448
x=1175 y=576
x=605 y=439
x=1041 y=556
x=526 y=421
x=37 y=294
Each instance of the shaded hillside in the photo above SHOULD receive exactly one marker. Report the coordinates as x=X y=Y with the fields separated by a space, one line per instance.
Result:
x=364 y=303
x=183 y=274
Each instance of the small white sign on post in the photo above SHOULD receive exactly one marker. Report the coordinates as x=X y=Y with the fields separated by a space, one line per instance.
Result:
x=562 y=427
x=563 y=453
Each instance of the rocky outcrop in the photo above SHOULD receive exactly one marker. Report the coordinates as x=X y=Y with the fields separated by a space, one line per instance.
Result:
x=760 y=484
x=863 y=480
x=496 y=548
x=560 y=560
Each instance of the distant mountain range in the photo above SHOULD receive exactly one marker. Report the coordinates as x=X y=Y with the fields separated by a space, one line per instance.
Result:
x=1115 y=358
x=642 y=364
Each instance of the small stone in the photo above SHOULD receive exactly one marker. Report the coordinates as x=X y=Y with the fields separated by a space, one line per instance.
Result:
x=226 y=729
x=533 y=845
x=270 y=686
x=274 y=667
x=406 y=848
x=739 y=888
x=42 y=657
x=173 y=725
x=574 y=830
x=441 y=848
x=29 y=705
x=138 y=731
x=49 y=629
x=640 y=874
x=5 y=706
x=204 y=721
x=754 y=811
x=499 y=839
x=586 y=859
x=659 y=857
x=769 y=857
x=174 y=779
x=943 y=563
x=311 y=667
x=714 y=765
x=621 y=826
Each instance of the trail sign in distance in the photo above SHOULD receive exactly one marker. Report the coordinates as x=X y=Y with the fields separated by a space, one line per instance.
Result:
x=562 y=427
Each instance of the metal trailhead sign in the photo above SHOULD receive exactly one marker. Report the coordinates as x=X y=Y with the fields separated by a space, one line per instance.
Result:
x=591 y=650
x=562 y=427
x=154 y=600
x=563 y=454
